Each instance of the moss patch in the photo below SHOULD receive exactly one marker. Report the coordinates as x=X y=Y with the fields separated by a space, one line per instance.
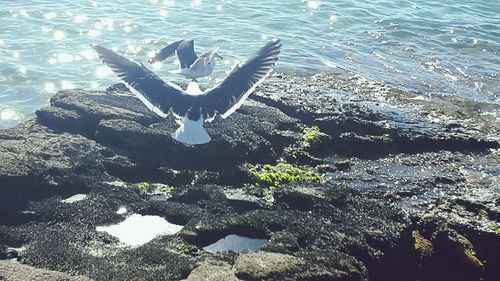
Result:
x=422 y=245
x=144 y=186
x=167 y=188
x=190 y=250
x=310 y=134
x=186 y=250
x=473 y=259
x=470 y=252
x=496 y=228
x=273 y=176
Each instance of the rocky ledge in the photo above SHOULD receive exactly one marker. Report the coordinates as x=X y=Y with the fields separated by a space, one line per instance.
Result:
x=343 y=179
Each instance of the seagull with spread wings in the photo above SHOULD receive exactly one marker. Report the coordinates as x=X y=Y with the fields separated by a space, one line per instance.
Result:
x=193 y=106
x=191 y=65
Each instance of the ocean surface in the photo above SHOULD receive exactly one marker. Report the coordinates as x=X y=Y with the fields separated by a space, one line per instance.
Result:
x=445 y=47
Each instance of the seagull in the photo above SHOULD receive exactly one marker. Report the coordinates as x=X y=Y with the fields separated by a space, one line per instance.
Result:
x=191 y=65
x=192 y=106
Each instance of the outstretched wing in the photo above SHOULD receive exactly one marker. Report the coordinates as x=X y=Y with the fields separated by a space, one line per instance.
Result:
x=166 y=52
x=184 y=49
x=185 y=53
x=210 y=53
x=230 y=94
x=159 y=96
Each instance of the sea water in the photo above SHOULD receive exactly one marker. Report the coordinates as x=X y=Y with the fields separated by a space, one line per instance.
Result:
x=445 y=47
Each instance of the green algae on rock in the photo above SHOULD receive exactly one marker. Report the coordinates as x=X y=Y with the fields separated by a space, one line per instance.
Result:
x=311 y=134
x=273 y=176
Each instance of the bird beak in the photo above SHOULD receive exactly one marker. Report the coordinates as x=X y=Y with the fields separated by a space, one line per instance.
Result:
x=219 y=56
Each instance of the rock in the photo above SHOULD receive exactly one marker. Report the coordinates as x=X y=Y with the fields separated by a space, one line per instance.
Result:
x=320 y=225
x=410 y=175
x=359 y=126
x=37 y=162
x=256 y=133
x=15 y=271
x=265 y=265
x=3 y=252
x=80 y=111
x=208 y=271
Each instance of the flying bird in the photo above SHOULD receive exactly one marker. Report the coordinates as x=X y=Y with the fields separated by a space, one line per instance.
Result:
x=190 y=64
x=192 y=106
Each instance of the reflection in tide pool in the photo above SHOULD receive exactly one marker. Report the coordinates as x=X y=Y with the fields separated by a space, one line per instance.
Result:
x=137 y=229
x=75 y=198
x=121 y=211
x=236 y=243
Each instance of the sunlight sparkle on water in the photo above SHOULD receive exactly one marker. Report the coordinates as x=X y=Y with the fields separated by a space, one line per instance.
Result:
x=7 y=114
x=151 y=54
x=196 y=3
x=81 y=18
x=328 y=63
x=22 y=69
x=163 y=13
x=64 y=58
x=133 y=50
x=59 y=35
x=94 y=33
x=102 y=71
x=98 y=26
x=50 y=15
x=313 y=5
x=67 y=85
x=49 y=87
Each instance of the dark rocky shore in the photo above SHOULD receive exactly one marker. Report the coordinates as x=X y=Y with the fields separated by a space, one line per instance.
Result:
x=384 y=185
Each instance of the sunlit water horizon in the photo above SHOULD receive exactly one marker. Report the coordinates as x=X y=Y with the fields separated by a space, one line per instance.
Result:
x=430 y=47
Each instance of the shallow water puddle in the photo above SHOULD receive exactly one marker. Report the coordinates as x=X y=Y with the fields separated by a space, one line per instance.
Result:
x=137 y=229
x=74 y=198
x=121 y=211
x=158 y=197
x=236 y=243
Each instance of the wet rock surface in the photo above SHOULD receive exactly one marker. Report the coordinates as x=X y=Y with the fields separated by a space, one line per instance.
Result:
x=408 y=190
